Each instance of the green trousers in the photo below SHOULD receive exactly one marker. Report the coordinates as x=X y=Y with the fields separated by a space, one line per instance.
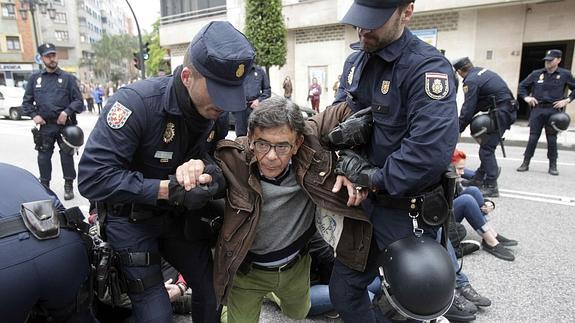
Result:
x=291 y=289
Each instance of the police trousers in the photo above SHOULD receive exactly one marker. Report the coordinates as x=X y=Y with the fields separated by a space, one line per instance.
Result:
x=348 y=287
x=193 y=259
x=50 y=134
x=241 y=126
x=538 y=120
x=47 y=273
x=506 y=116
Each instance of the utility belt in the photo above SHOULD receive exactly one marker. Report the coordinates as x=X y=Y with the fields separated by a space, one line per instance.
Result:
x=246 y=267
x=544 y=105
x=512 y=104
x=42 y=221
x=111 y=285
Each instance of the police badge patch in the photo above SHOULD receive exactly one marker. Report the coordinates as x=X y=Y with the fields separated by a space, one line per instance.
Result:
x=117 y=116
x=169 y=133
x=385 y=87
x=436 y=85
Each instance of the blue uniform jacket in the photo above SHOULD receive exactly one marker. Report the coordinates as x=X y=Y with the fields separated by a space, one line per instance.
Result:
x=479 y=86
x=48 y=94
x=257 y=84
x=140 y=139
x=548 y=88
x=411 y=89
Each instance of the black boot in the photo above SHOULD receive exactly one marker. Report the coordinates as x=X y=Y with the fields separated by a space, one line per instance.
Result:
x=490 y=189
x=553 y=167
x=68 y=190
x=45 y=182
x=525 y=166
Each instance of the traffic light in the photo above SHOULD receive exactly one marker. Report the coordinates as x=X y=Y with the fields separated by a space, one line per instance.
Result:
x=136 y=61
x=146 y=51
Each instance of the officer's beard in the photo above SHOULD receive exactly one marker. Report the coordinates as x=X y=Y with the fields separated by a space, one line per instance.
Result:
x=51 y=66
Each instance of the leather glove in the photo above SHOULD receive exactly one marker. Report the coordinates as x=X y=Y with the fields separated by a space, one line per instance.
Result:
x=356 y=168
x=354 y=131
x=198 y=196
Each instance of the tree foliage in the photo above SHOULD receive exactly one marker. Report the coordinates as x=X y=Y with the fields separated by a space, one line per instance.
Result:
x=266 y=31
x=156 y=61
x=110 y=57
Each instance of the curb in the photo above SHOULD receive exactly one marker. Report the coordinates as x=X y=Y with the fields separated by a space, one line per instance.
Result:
x=542 y=144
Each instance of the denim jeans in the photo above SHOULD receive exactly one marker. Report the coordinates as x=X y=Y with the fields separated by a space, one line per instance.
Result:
x=320 y=302
x=467 y=206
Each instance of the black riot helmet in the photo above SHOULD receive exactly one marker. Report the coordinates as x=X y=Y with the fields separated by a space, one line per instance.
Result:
x=418 y=278
x=559 y=121
x=72 y=139
x=481 y=127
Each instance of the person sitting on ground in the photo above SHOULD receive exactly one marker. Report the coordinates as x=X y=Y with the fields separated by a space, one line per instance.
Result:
x=470 y=205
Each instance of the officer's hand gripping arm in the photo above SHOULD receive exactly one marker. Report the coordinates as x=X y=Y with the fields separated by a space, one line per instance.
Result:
x=355 y=131
x=355 y=168
x=198 y=196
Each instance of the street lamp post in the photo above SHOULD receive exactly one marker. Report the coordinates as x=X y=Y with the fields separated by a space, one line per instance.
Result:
x=32 y=6
x=141 y=51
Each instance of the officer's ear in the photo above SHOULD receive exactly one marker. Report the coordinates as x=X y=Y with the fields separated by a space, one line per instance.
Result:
x=186 y=76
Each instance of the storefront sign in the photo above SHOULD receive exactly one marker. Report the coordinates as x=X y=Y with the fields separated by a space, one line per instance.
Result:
x=15 y=67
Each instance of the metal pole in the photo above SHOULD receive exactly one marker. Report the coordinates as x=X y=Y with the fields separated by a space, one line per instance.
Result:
x=32 y=13
x=141 y=51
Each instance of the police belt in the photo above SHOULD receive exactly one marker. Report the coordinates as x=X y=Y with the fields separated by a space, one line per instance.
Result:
x=15 y=225
x=410 y=203
x=544 y=105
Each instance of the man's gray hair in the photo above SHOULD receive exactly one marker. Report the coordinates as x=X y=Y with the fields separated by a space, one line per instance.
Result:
x=276 y=112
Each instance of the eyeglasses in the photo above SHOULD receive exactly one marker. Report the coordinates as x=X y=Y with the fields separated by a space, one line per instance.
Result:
x=263 y=147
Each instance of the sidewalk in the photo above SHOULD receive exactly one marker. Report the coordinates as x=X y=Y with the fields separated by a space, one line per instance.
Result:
x=519 y=134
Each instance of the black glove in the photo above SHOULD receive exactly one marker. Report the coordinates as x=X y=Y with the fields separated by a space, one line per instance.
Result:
x=198 y=196
x=353 y=166
x=354 y=131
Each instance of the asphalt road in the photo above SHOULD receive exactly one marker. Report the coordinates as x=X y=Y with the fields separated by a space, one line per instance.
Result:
x=535 y=208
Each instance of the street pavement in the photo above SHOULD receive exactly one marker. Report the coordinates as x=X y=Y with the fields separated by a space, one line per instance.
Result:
x=535 y=208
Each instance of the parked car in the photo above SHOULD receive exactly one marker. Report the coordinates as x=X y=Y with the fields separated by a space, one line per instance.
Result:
x=11 y=102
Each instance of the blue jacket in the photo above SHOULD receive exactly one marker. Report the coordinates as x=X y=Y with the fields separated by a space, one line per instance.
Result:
x=410 y=87
x=142 y=136
x=257 y=84
x=479 y=86
x=48 y=94
x=548 y=88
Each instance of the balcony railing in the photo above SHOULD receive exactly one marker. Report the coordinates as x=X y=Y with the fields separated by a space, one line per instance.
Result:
x=197 y=14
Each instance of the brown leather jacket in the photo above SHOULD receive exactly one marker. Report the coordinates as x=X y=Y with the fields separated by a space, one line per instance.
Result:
x=314 y=168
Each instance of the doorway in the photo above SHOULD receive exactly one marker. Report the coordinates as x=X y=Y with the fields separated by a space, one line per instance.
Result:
x=532 y=59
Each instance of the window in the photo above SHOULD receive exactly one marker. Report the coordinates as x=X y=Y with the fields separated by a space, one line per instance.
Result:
x=13 y=42
x=61 y=34
x=82 y=38
x=8 y=10
x=61 y=18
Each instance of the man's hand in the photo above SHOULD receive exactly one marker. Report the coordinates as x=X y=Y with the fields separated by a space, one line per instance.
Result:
x=531 y=101
x=356 y=193
x=172 y=289
x=210 y=185
x=190 y=174
x=560 y=104
x=353 y=166
x=39 y=120
x=62 y=118
x=255 y=104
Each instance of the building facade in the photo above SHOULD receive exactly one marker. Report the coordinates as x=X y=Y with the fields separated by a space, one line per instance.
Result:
x=72 y=25
x=507 y=36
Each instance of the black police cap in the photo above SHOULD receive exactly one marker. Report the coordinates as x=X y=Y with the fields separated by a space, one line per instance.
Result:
x=552 y=54
x=371 y=14
x=46 y=48
x=459 y=63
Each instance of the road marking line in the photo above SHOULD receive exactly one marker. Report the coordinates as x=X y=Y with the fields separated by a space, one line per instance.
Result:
x=538 y=197
x=532 y=160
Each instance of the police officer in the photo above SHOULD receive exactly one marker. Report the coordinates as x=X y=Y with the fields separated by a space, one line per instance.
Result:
x=52 y=99
x=149 y=131
x=47 y=273
x=544 y=91
x=257 y=88
x=410 y=87
x=483 y=88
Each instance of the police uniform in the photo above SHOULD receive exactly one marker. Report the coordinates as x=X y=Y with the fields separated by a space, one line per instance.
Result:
x=145 y=132
x=33 y=272
x=547 y=88
x=410 y=88
x=257 y=87
x=47 y=95
x=481 y=86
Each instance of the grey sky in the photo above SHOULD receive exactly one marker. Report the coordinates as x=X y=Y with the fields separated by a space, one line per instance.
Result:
x=147 y=11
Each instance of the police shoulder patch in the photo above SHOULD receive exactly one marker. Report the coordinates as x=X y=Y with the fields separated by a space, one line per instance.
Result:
x=118 y=115
x=436 y=85
x=465 y=89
